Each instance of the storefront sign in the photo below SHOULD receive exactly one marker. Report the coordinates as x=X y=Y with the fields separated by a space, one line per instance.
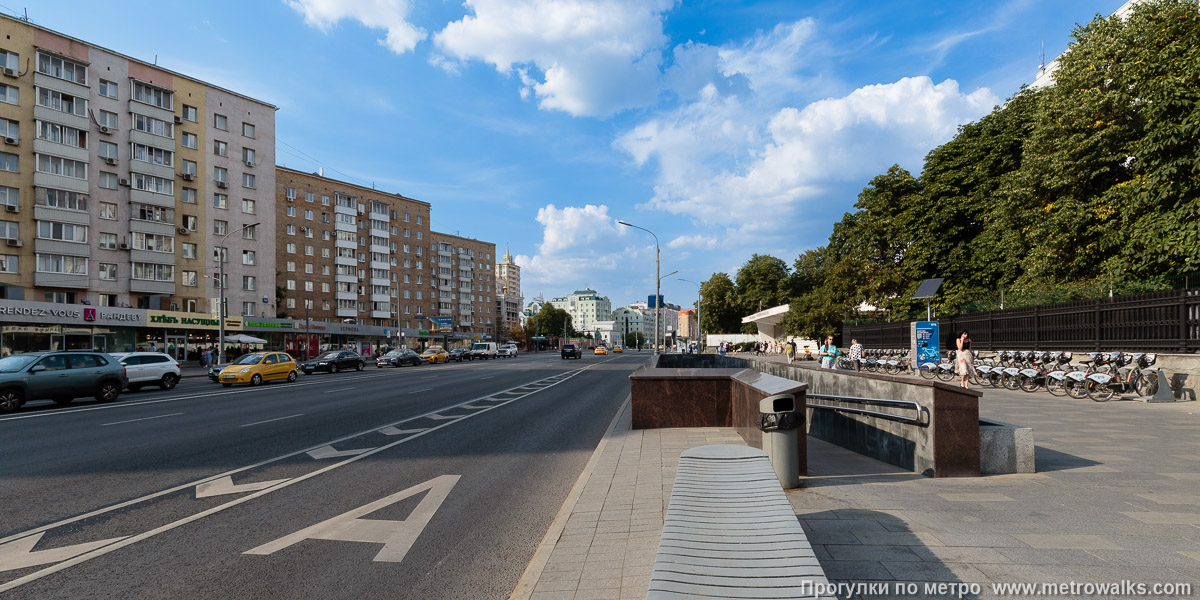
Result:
x=442 y=323
x=268 y=325
x=169 y=319
x=21 y=311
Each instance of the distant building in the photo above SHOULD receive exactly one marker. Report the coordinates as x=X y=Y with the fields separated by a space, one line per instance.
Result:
x=508 y=293
x=688 y=328
x=1045 y=74
x=585 y=307
x=463 y=284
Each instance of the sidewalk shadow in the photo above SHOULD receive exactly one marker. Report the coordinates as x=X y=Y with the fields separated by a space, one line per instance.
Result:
x=1047 y=460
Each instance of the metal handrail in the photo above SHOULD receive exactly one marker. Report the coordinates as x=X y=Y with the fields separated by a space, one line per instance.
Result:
x=921 y=418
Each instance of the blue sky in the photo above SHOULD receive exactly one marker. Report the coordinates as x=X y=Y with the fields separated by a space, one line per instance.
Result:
x=727 y=128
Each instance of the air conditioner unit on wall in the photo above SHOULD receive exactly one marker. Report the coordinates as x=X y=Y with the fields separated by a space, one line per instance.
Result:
x=222 y=184
x=188 y=176
x=184 y=231
x=124 y=181
x=11 y=141
x=249 y=163
x=12 y=208
x=110 y=160
x=10 y=72
x=105 y=129
x=178 y=120
x=15 y=243
x=123 y=246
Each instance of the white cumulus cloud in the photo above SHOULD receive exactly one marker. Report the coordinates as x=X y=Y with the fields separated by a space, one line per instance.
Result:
x=704 y=242
x=583 y=57
x=576 y=241
x=390 y=15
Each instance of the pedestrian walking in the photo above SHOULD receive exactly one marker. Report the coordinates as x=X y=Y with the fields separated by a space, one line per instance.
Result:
x=790 y=351
x=204 y=358
x=828 y=353
x=856 y=354
x=964 y=359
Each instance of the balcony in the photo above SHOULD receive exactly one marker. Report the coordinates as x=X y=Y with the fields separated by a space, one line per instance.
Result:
x=347 y=312
x=380 y=314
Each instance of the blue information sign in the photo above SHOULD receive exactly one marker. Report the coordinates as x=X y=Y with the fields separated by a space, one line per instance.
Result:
x=925 y=338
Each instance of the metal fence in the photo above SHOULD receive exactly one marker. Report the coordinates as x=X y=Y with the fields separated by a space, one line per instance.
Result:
x=1165 y=321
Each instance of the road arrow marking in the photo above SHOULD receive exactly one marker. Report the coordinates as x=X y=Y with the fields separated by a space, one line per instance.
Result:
x=397 y=537
x=470 y=407
x=445 y=417
x=19 y=554
x=331 y=452
x=225 y=485
x=389 y=430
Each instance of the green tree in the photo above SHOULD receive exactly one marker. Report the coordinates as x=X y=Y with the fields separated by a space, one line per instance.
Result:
x=549 y=321
x=722 y=310
x=634 y=339
x=763 y=282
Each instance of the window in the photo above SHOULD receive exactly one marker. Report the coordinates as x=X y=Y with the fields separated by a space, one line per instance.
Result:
x=308 y=214
x=290 y=230
x=220 y=148
x=248 y=180
x=290 y=211
x=308 y=196
x=247 y=309
x=291 y=303
x=153 y=272
x=220 y=254
x=9 y=230
x=247 y=206
x=248 y=156
x=57 y=165
x=247 y=257
x=150 y=183
x=189 y=250
x=418 y=234
x=220 y=174
x=220 y=122
x=308 y=268
x=11 y=196
x=190 y=168
x=8 y=263
x=248 y=233
x=10 y=60
x=153 y=126
x=61 y=199
x=9 y=94
x=153 y=96
x=108 y=271
x=57 y=263
x=291 y=193
x=189 y=278
x=65 y=232
x=191 y=222
x=248 y=129
x=108 y=181
x=291 y=248
x=9 y=162
x=325 y=254
x=153 y=242
x=290 y=284
x=157 y=214
x=10 y=128
x=108 y=119
x=190 y=114
x=152 y=155
x=188 y=196
x=248 y=282
x=324 y=200
x=108 y=150
x=220 y=227
x=308 y=250
x=59 y=297
x=190 y=140
x=62 y=68
x=308 y=286
x=220 y=201
x=108 y=210
x=291 y=266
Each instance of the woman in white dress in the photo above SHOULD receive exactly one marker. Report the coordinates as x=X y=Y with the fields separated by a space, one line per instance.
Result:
x=964 y=359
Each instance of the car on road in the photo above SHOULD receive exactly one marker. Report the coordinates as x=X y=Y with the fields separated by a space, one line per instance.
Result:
x=435 y=355
x=398 y=358
x=484 y=350
x=618 y=350
x=59 y=376
x=571 y=351
x=149 y=368
x=600 y=350
x=507 y=351
x=257 y=367
x=461 y=354
x=334 y=361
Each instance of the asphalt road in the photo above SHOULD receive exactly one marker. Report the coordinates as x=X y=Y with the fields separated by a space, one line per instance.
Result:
x=419 y=482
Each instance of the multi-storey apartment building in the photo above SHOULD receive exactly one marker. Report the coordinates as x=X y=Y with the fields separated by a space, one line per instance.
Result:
x=508 y=297
x=348 y=253
x=585 y=308
x=123 y=182
x=462 y=283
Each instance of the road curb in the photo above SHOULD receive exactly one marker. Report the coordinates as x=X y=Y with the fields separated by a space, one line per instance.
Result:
x=533 y=572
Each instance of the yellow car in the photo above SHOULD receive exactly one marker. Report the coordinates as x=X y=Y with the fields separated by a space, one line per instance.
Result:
x=601 y=350
x=618 y=350
x=435 y=355
x=257 y=367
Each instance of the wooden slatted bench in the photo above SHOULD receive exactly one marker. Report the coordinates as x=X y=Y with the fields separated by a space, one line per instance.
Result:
x=730 y=532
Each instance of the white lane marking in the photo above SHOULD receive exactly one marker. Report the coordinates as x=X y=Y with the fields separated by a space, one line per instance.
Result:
x=469 y=407
x=428 y=377
x=419 y=391
x=141 y=419
x=338 y=390
x=129 y=541
x=397 y=537
x=19 y=554
x=389 y=430
x=225 y=485
x=331 y=452
x=271 y=420
x=445 y=417
x=488 y=377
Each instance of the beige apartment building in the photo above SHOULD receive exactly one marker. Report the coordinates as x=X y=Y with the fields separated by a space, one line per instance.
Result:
x=123 y=183
x=462 y=286
x=509 y=301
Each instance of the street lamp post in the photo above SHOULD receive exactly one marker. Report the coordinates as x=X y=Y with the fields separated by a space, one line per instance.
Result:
x=657 y=280
x=222 y=312
x=699 y=327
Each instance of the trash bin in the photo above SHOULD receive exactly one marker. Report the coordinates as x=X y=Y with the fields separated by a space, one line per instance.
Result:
x=779 y=423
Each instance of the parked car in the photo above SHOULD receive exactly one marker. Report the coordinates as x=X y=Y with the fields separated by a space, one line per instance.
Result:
x=484 y=350
x=149 y=368
x=507 y=351
x=398 y=358
x=334 y=361
x=461 y=354
x=571 y=351
x=435 y=355
x=59 y=376
x=600 y=350
x=257 y=367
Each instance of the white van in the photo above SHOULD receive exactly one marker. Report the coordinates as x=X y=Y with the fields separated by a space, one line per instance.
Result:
x=484 y=350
